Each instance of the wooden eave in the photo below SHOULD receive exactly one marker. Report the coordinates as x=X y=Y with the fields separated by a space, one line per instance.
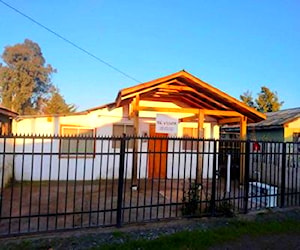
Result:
x=7 y=112
x=182 y=87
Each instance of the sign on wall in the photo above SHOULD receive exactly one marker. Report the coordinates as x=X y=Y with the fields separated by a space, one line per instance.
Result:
x=166 y=124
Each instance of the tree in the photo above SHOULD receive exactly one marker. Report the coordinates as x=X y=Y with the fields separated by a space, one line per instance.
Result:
x=266 y=101
x=248 y=99
x=56 y=104
x=25 y=79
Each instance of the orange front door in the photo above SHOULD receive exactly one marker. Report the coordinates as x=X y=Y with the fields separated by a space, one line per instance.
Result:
x=157 y=148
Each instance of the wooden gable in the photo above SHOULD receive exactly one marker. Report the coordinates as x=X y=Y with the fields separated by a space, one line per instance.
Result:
x=192 y=95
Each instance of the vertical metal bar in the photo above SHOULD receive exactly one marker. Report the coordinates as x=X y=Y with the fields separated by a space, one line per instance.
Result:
x=127 y=143
x=213 y=194
x=246 y=181
x=292 y=187
x=283 y=169
x=75 y=185
x=31 y=181
x=200 y=188
x=134 y=180
x=139 y=180
x=159 y=178
x=12 y=184
x=152 y=177
x=67 y=181
x=178 y=174
x=3 y=176
x=92 y=183
x=147 y=170
x=49 y=181
x=100 y=180
x=21 y=191
x=58 y=180
x=121 y=182
x=165 y=179
x=106 y=177
x=113 y=185
x=83 y=182
x=172 y=177
x=40 y=185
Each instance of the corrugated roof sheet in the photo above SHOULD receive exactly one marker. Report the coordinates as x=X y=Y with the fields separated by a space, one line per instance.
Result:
x=278 y=118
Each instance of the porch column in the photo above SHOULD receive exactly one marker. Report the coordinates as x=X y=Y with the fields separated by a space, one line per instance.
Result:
x=136 y=102
x=243 y=137
x=200 y=146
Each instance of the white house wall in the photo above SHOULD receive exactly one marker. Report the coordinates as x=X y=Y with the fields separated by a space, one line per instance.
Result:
x=40 y=166
x=6 y=161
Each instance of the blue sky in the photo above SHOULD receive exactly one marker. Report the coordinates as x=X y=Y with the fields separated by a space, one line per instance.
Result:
x=233 y=45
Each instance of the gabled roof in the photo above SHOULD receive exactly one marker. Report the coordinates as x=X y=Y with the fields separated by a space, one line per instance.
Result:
x=187 y=90
x=278 y=118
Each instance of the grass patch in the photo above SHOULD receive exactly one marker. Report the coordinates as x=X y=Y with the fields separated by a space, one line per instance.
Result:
x=207 y=238
x=199 y=239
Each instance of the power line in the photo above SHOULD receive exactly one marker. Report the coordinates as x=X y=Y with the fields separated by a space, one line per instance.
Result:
x=70 y=42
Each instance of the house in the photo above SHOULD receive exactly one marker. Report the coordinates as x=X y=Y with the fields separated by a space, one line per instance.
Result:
x=283 y=125
x=197 y=107
x=6 y=116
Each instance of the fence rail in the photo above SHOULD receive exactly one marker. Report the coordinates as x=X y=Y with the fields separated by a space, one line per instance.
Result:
x=51 y=183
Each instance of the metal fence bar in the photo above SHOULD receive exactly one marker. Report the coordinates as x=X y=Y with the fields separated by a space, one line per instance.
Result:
x=121 y=181
x=283 y=169
x=246 y=178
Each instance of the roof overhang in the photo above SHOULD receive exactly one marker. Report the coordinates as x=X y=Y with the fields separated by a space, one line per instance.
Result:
x=189 y=91
x=7 y=112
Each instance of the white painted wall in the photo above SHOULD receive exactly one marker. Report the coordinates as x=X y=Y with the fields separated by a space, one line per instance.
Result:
x=6 y=161
x=40 y=166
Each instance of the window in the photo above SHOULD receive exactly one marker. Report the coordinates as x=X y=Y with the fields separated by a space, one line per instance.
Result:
x=190 y=133
x=77 y=143
x=119 y=130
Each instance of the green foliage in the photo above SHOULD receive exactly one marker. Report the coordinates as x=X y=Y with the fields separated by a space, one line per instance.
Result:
x=266 y=101
x=56 y=104
x=203 y=239
x=25 y=79
x=191 y=201
x=248 y=99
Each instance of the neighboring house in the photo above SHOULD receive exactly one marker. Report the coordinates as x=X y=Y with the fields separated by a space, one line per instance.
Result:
x=6 y=116
x=283 y=125
x=199 y=108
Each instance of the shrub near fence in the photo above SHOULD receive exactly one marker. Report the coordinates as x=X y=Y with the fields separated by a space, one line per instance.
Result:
x=57 y=183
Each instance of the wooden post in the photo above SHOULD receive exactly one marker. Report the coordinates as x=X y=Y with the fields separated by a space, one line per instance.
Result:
x=243 y=137
x=136 y=133
x=200 y=146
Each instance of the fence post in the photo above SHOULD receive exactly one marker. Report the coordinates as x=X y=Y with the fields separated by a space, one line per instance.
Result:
x=121 y=181
x=246 y=181
x=213 y=189
x=283 y=169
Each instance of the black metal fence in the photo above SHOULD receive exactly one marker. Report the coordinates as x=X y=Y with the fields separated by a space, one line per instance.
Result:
x=51 y=183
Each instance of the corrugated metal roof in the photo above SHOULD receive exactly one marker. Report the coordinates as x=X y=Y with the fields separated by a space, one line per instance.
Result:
x=278 y=118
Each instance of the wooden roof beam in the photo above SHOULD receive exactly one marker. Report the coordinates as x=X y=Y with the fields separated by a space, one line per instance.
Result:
x=222 y=113
x=192 y=99
x=171 y=110
x=202 y=95
x=229 y=120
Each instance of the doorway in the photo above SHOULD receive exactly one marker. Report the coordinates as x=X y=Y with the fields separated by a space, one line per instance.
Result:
x=157 y=148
